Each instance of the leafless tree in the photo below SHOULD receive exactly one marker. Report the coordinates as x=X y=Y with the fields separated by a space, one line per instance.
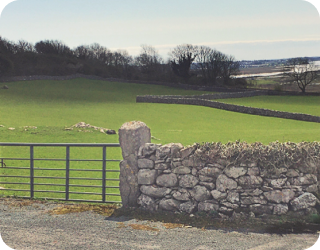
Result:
x=215 y=65
x=53 y=47
x=7 y=47
x=149 y=61
x=83 y=52
x=301 y=72
x=24 y=46
x=181 y=58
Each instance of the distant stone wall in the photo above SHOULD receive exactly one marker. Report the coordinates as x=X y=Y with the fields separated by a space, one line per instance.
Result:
x=206 y=96
x=227 y=180
x=202 y=100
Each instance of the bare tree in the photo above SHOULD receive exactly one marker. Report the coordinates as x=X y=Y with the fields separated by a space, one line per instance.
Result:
x=229 y=67
x=24 y=46
x=181 y=58
x=148 y=61
x=53 y=47
x=215 y=65
x=301 y=72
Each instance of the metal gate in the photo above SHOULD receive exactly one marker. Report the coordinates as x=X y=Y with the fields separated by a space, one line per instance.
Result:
x=32 y=177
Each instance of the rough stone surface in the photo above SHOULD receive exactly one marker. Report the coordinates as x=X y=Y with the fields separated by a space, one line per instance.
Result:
x=278 y=196
x=208 y=185
x=147 y=202
x=233 y=197
x=181 y=195
x=129 y=188
x=250 y=181
x=254 y=171
x=145 y=163
x=206 y=206
x=132 y=135
x=259 y=209
x=292 y=173
x=147 y=149
x=305 y=200
x=200 y=193
x=188 y=207
x=182 y=170
x=278 y=182
x=147 y=177
x=211 y=172
x=205 y=178
x=169 y=204
x=235 y=172
x=307 y=179
x=188 y=181
x=154 y=191
x=167 y=180
x=224 y=183
x=280 y=209
x=217 y=195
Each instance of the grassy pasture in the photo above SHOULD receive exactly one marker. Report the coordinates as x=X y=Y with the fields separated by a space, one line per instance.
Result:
x=53 y=105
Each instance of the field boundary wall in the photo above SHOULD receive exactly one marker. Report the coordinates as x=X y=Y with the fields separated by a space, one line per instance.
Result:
x=231 y=180
x=204 y=100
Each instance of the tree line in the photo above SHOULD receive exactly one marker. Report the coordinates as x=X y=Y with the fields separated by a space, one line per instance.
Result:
x=187 y=63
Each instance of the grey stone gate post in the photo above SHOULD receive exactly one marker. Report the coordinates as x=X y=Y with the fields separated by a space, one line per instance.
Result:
x=132 y=135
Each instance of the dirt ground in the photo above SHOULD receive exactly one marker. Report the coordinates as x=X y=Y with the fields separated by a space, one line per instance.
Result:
x=46 y=225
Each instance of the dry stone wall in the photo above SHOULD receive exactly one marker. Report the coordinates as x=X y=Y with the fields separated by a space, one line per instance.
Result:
x=204 y=100
x=173 y=178
x=197 y=179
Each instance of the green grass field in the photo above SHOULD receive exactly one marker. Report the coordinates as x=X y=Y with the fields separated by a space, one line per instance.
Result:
x=52 y=106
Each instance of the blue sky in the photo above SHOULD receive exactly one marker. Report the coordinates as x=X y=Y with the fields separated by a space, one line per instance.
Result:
x=247 y=29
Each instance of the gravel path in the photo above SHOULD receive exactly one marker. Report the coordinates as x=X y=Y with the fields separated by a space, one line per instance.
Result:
x=32 y=227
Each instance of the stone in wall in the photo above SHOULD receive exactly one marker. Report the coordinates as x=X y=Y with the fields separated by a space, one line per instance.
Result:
x=147 y=176
x=188 y=181
x=292 y=173
x=307 y=179
x=181 y=170
x=207 y=206
x=304 y=201
x=278 y=196
x=200 y=193
x=253 y=171
x=217 y=195
x=147 y=202
x=278 y=183
x=224 y=183
x=233 y=197
x=210 y=171
x=188 y=207
x=250 y=181
x=145 y=163
x=154 y=191
x=208 y=185
x=148 y=149
x=167 y=180
x=259 y=209
x=169 y=204
x=235 y=172
x=185 y=152
x=280 y=209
